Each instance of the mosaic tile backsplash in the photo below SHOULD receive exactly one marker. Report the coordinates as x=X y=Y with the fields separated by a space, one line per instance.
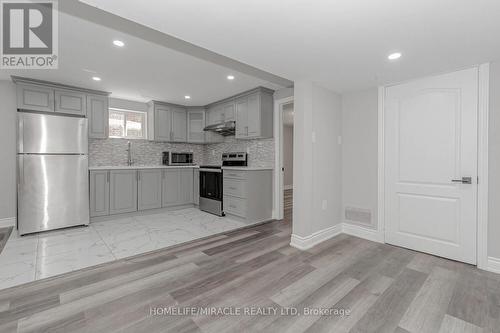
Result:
x=113 y=152
x=260 y=152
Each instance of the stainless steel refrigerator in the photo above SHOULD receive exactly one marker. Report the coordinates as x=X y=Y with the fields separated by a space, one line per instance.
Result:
x=52 y=182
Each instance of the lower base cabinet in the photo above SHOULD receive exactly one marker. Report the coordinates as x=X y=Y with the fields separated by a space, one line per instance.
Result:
x=178 y=187
x=149 y=189
x=122 y=191
x=196 y=187
x=248 y=194
x=99 y=193
x=129 y=190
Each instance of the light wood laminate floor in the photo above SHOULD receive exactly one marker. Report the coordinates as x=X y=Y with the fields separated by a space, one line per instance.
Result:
x=384 y=288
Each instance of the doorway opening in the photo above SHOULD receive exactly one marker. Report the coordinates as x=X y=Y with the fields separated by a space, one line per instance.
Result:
x=287 y=165
x=283 y=176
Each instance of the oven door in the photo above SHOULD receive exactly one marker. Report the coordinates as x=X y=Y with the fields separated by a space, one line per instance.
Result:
x=211 y=184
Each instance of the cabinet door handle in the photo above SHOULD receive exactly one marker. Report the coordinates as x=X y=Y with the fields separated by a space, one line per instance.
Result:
x=138 y=176
x=246 y=130
x=107 y=176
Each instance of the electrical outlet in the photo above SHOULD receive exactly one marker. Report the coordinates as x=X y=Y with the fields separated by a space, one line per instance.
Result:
x=339 y=140
x=313 y=137
x=324 y=205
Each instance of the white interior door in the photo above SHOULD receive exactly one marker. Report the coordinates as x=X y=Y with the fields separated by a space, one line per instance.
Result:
x=430 y=144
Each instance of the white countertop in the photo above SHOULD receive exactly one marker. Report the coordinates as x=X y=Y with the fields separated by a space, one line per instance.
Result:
x=246 y=168
x=141 y=167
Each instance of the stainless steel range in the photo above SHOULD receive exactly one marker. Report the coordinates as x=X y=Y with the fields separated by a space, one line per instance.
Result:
x=211 y=177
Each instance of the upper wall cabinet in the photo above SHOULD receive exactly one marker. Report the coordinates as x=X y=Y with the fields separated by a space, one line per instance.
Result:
x=98 y=115
x=71 y=102
x=254 y=115
x=195 y=125
x=167 y=123
x=34 y=97
x=179 y=125
x=215 y=114
x=229 y=111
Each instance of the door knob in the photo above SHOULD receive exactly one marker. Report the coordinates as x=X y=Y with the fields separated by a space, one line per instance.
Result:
x=464 y=180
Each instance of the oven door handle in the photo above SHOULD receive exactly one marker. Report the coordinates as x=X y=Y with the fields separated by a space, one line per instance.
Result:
x=211 y=170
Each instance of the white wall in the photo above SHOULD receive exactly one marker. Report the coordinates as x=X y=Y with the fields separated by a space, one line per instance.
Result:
x=317 y=165
x=360 y=153
x=494 y=163
x=8 y=150
x=288 y=155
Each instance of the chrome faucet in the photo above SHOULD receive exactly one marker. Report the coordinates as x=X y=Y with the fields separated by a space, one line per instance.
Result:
x=129 y=154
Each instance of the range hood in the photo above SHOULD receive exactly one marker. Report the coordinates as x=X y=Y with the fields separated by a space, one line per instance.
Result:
x=225 y=128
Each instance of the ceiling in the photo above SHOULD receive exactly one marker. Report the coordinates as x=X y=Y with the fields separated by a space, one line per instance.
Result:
x=140 y=71
x=342 y=44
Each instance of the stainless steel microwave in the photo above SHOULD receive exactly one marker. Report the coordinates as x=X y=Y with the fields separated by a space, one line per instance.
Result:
x=181 y=159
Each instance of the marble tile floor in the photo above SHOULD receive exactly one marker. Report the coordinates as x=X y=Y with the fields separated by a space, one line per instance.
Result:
x=34 y=257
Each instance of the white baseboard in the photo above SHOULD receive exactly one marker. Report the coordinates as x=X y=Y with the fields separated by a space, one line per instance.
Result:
x=8 y=222
x=288 y=187
x=363 y=232
x=305 y=243
x=493 y=265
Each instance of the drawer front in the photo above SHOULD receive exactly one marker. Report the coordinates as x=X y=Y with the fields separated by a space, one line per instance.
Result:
x=235 y=187
x=237 y=174
x=235 y=206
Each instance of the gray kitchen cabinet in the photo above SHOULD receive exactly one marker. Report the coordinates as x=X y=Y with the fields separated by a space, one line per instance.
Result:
x=149 y=190
x=215 y=114
x=99 y=193
x=123 y=191
x=163 y=124
x=98 y=116
x=186 y=187
x=71 y=102
x=195 y=125
x=248 y=194
x=196 y=187
x=167 y=122
x=242 y=118
x=254 y=115
x=170 y=188
x=177 y=187
x=229 y=111
x=179 y=125
x=34 y=97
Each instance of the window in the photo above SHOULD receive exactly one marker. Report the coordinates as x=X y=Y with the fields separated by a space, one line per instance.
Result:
x=127 y=124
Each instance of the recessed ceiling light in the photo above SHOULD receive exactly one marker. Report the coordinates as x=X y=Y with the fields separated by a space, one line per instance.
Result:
x=119 y=43
x=230 y=77
x=394 y=56
x=187 y=97
x=96 y=78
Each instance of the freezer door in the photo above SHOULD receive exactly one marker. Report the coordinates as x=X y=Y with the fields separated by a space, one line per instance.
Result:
x=51 y=134
x=53 y=192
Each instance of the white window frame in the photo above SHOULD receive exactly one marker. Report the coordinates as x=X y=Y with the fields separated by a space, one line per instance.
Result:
x=145 y=124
